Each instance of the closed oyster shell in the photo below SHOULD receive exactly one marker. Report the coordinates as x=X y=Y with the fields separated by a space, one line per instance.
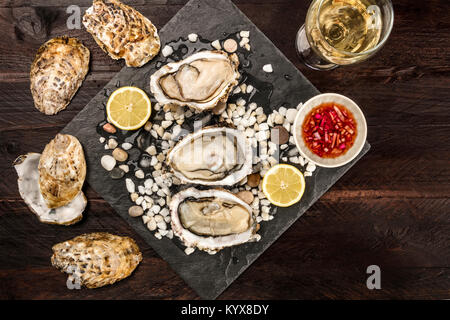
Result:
x=57 y=73
x=211 y=219
x=62 y=170
x=215 y=156
x=28 y=182
x=96 y=259
x=122 y=32
x=200 y=81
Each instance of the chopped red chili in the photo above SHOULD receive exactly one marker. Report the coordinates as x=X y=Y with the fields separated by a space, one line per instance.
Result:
x=329 y=130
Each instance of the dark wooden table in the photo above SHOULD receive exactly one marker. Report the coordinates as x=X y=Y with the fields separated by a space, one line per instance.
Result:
x=392 y=209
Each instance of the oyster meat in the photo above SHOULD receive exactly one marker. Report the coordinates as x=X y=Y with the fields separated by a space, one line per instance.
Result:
x=211 y=219
x=122 y=32
x=62 y=170
x=28 y=182
x=57 y=72
x=96 y=259
x=212 y=156
x=200 y=81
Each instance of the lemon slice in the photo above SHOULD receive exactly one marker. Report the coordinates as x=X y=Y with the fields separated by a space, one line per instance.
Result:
x=283 y=185
x=128 y=108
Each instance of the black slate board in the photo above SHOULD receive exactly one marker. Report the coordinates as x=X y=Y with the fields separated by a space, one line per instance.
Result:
x=207 y=274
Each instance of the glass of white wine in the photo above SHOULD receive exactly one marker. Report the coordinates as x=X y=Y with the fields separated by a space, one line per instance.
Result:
x=342 y=32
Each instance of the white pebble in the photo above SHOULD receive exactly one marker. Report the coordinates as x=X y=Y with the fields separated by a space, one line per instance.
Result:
x=241 y=102
x=141 y=189
x=294 y=160
x=262 y=135
x=124 y=167
x=126 y=146
x=311 y=167
x=155 y=209
x=268 y=68
x=164 y=212
x=193 y=37
x=148 y=183
x=167 y=51
x=130 y=185
x=282 y=111
x=139 y=174
x=158 y=235
x=162 y=225
x=151 y=225
x=291 y=114
x=216 y=44
x=263 y=126
x=151 y=150
x=243 y=42
x=307 y=174
x=146 y=219
x=102 y=139
x=244 y=34
x=112 y=143
x=108 y=162
x=166 y=123
x=301 y=161
x=189 y=250
x=250 y=88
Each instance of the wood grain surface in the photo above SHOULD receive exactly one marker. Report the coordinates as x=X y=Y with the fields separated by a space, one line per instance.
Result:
x=391 y=209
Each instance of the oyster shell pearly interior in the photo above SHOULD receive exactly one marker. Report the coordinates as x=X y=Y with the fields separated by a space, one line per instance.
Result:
x=212 y=156
x=211 y=219
x=200 y=81
x=122 y=32
x=62 y=170
x=57 y=72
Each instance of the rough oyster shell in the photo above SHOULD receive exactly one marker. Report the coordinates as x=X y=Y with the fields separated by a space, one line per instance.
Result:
x=200 y=81
x=28 y=176
x=211 y=219
x=96 y=259
x=62 y=170
x=122 y=32
x=57 y=72
x=216 y=156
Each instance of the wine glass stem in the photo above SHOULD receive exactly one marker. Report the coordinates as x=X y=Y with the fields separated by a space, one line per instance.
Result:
x=307 y=54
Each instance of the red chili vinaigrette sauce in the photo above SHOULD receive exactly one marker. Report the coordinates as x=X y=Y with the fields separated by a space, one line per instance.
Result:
x=329 y=130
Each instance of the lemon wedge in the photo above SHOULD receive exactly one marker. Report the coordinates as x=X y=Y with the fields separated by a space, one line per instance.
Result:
x=283 y=185
x=128 y=108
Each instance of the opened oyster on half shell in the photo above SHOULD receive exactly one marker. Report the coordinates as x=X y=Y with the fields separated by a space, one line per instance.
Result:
x=200 y=81
x=211 y=220
x=215 y=156
x=51 y=183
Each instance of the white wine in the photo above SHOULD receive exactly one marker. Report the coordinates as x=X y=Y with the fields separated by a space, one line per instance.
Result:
x=341 y=31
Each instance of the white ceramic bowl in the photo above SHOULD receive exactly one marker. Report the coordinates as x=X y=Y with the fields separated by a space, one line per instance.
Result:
x=361 y=128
